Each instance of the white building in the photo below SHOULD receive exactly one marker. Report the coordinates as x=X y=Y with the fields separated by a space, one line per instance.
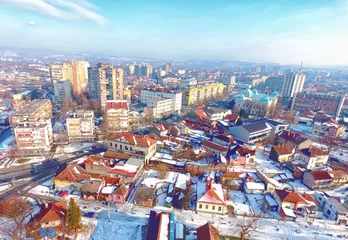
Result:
x=34 y=137
x=226 y=80
x=149 y=94
x=62 y=91
x=80 y=125
x=159 y=107
x=293 y=83
x=117 y=115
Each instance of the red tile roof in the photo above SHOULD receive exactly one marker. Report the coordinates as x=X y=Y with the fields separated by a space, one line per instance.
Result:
x=202 y=114
x=231 y=117
x=207 y=232
x=321 y=175
x=215 y=146
x=72 y=173
x=287 y=196
x=132 y=139
x=336 y=174
x=284 y=149
x=55 y=211
x=117 y=105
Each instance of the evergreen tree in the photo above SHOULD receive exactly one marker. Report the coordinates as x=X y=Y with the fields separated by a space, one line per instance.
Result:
x=74 y=214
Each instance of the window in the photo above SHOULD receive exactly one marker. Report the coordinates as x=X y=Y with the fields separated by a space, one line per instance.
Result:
x=206 y=206
x=131 y=148
x=200 y=206
x=121 y=147
x=126 y=148
x=219 y=209
x=213 y=207
x=110 y=144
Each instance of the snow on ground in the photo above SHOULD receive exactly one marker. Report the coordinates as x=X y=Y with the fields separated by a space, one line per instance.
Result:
x=119 y=226
x=257 y=204
x=298 y=186
x=3 y=187
x=301 y=128
x=340 y=154
x=340 y=191
x=73 y=147
x=240 y=203
x=30 y=160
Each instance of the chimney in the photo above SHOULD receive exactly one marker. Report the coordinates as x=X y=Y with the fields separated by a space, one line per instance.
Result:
x=46 y=205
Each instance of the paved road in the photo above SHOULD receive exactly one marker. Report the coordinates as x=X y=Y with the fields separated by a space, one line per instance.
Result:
x=34 y=174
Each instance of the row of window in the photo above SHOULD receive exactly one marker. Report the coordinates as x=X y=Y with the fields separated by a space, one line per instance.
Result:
x=200 y=206
x=121 y=147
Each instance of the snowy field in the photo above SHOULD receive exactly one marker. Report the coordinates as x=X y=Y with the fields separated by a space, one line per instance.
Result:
x=340 y=154
x=240 y=203
x=302 y=128
x=3 y=187
x=73 y=147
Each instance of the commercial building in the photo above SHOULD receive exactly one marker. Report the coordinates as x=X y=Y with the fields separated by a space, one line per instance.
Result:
x=62 y=91
x=117 y=116
x=194 y=96
x=251 y=133
x=75 y=71
x=159 y=107
x=331 y=104
x=80 y=126
x=34 y=136
x=256 y=104
x=149 y=94
x=275 y=83
x=105 y=83
x=293 y=83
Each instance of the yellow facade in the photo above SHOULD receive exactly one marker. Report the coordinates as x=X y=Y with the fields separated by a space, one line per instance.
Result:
x=196 y=95
x=211 y=208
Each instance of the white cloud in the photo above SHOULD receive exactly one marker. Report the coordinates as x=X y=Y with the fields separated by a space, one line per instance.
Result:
x=32 y=23
x=62 y=9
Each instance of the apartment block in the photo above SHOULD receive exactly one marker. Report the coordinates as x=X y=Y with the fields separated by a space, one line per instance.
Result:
x=34 y=136
x=75 y=71
x=330 y=103
x=194 y=96
x=62 y=91
x=36 y=109
x=149 y=94
x=105 y=83
x=117 y=116
x=80 y=126
x=159 y=107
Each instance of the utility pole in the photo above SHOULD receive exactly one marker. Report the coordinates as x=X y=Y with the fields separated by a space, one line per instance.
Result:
x=108 y=211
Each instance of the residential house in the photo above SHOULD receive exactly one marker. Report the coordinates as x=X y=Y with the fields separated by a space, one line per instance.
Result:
x=234 y=180
x=214 y=147
x=223 y=139
x=335 y=210
x=317 y=179
x=115 y=193
x=251 y=133
x=91 y=189
x=254 y=187
x=282 y=153
x=210 y=198
x=158 y=227
x=217 y=113
x=339 y=177
x=145 y=196
x=232 y=119
x=129 y=143
x=207 y=232
x=312 y=157
x=51 y=215
x=295 y=140
x=72 y=175
x=328 y=128
x=240 y=156
x=291 y=203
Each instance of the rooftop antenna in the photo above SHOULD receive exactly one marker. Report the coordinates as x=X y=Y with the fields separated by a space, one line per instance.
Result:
x=301 y=67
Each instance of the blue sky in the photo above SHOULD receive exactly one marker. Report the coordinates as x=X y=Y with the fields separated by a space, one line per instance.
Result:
x=284 y=31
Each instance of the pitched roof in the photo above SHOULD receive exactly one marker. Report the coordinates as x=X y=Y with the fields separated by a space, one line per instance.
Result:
x=231 y=117
x=133 y=139
x=207 y=232
x=202 y=114
x=122 y=190
x=234 y=175
x=214 y=146
x=116 y=155
x=320 y=175
x=211 y=110
x=214 y=195
x=287 y=196
x=224 y=137
x=92 y=186
x=293 y=137
x=336 y=174
x=72 y=172
x=256 y=126
x=283 y=150
x=54 y=211
x=314 y=152
x=161 y=127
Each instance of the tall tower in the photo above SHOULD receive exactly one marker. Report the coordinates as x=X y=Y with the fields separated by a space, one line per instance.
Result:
x=105 y=83
x=292 y=84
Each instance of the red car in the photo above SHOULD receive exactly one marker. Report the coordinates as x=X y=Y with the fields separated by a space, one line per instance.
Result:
x=64 y=193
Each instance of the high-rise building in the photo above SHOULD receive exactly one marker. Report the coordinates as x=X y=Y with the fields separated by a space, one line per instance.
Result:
x=131 y=69
x=117 y=116
x=62 y=91
x=75 y=71
x=292 y=84
x=105 y=83
x=197 y=95
x=80 y=125
x=168 y=67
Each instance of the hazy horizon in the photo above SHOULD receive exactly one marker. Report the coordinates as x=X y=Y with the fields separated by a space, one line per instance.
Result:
x=285 y=32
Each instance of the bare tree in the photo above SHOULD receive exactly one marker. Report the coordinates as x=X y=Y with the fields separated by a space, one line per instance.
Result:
x=16 y=210
x=329 y=144
x=68 y=106
x=247 y=226
x=96 y=106
x=163 y=169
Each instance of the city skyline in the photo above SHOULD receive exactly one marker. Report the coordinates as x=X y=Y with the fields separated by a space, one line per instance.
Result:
x=286 y=32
